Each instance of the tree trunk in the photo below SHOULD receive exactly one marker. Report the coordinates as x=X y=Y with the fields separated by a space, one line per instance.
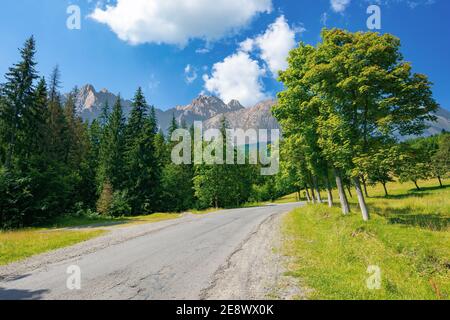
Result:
x=316 y=187
x=365 y=186
x=385 y=189
x=440 y=181
x=329 y=193
x=308 y=197
x=313 y=195
x=342 y=196
x=417 y=186
x=361 y=200
x=349 y=191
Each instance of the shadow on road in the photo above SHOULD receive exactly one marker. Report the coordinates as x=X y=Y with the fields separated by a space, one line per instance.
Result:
x=13 y=294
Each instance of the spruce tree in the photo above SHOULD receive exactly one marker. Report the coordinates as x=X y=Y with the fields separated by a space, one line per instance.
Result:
x=141 y=161
x=18 y=96
x=112 y=162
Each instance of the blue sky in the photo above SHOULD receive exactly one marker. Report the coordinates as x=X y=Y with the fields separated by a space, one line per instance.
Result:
x=177 y=49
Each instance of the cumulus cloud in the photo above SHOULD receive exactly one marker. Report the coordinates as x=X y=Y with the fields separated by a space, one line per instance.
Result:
x=274 y=44
x=240 y=75
x=177 y=21
x=339 y=5
x=237 y=77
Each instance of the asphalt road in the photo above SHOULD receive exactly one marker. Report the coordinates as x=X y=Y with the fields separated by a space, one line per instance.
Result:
x=169 y=260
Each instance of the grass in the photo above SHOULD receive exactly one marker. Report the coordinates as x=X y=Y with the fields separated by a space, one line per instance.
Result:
x=287 y=199
x=17 y=245
x=408 y=238
x=205 y=211
x=152 y=218
x=71 y=222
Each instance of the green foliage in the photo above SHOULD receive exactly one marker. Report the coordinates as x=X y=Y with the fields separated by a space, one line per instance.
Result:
x=222 y=185
x=120 y=205
x=15 y=199
x=112 y=149
x=344 y=100
x=105 y=200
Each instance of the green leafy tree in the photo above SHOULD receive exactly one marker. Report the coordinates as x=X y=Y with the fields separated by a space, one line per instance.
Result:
x=441 y=159
x=221 y=184
x=364 y=92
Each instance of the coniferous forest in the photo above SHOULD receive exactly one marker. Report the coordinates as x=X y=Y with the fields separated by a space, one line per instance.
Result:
x=54 y=164
x=343 y=104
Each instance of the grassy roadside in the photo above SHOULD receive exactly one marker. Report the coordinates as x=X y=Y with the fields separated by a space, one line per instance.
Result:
x=205 y=211
x=18 y=245
x=69 y=222
x=408 y=238
x=287 y=199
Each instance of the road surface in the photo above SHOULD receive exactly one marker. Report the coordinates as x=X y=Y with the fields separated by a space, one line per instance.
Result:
x=186 y=258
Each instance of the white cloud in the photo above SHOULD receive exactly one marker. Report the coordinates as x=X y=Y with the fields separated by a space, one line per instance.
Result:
x=274 y=44
x=190 y=74
x=339 y=5
x=237 y=77
x=178 y=21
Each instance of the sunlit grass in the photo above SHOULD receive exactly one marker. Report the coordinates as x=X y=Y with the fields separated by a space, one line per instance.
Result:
x=408 y=238
x=152 y=218
x=17 y=245
x=288 y=199
x=101 y=221
x=205 y=211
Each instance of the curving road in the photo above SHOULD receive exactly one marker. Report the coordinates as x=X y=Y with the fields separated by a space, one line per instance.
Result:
x=177 y=259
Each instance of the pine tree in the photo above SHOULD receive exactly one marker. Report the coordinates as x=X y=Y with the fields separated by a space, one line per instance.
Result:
x=173 y=126
x=37 y=117
x=112 y=162
x=104 y=115
x=141 y=162
x=57 y=125
x=18 y=97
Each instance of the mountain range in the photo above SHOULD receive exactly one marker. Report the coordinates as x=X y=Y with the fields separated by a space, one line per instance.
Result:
x=210 y=110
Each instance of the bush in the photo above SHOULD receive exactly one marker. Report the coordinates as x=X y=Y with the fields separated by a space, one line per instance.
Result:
x=120 y=206
x=106 y=198
x=15 y=199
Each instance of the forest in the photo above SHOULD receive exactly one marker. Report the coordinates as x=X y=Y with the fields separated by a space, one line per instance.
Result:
x=345 y=106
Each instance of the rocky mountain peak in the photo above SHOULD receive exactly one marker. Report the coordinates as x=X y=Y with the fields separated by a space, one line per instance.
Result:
x=210 y=110
x=235 y=105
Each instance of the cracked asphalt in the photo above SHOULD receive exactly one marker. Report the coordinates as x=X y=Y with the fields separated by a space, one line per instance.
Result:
x=187 y=258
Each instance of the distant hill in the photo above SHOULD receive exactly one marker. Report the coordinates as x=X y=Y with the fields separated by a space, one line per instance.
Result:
x=210 y=110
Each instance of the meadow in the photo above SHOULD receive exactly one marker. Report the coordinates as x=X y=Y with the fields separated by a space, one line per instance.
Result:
x=407 y=241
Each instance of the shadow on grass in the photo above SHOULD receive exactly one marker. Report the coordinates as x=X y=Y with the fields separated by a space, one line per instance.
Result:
x=424 y=191
x=409 y=216
x=416 y=194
